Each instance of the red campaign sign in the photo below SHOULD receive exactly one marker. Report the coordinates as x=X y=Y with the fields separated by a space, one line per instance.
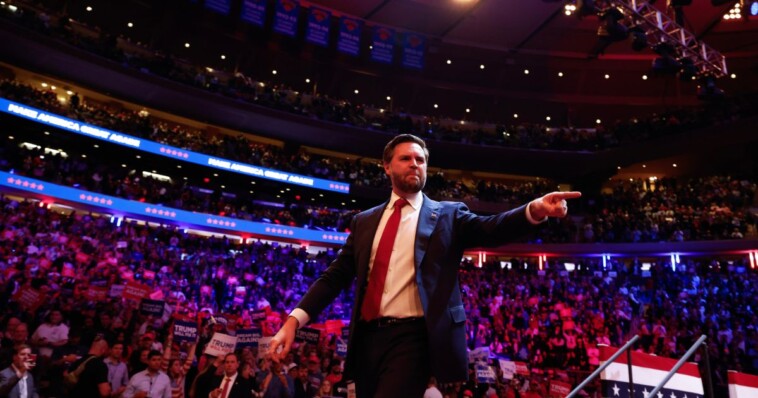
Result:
x=334 y=327
x=82 y=257
x=135 y=291
x=522 y=369
x=29 y=298
x=559 y=389
x=149 y=274
x=96 y=293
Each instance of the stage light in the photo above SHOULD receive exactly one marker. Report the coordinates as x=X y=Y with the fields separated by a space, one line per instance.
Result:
x=639 y=38
x=707 y=90
x=688 y=69
x=666 y=63
x=223 y=56
x=609 y=31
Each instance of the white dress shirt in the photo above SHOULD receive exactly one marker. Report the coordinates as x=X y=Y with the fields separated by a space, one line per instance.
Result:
x=232 y=378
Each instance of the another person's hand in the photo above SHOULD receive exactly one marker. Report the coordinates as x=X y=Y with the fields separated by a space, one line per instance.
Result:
x=282 y=342
x=553 y=204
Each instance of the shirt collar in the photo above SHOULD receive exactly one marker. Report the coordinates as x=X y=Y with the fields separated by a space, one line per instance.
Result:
x=414 y=200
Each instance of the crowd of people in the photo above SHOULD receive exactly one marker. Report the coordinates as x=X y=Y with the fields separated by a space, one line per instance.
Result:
x=321 y=106
x=550 y=321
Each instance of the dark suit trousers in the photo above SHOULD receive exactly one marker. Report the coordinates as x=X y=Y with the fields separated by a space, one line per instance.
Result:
x=391 y=361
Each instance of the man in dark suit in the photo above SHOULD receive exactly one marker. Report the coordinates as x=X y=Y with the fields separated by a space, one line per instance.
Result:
x=231 y=384
x=408 y=322
x=16 y=381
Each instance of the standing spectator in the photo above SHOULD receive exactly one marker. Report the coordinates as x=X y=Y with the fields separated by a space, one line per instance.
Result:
x=230 y=384
x=151 y=382
x=50 y=335
x=20 y=335
x=16 y=381
x=177 y=369
x=277 y=384
x=432 y=391
x=118 y=375
x=93 y=380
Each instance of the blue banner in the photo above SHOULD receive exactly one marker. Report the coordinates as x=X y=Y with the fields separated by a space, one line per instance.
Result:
x=349 y=41
x=155 y=148
x=185 y=331
x=317 y=31
x=383 y=45
x=285 y=19
x=248 y=337
x=254 y=11
x=414 y=48
x=220 y=6
x=183 y=218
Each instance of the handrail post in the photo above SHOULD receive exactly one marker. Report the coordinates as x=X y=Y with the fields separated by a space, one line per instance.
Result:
x=603 y=366
x=678 y=365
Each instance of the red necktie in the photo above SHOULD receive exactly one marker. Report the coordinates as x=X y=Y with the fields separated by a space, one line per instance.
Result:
x=225 y=389
x=373 y=299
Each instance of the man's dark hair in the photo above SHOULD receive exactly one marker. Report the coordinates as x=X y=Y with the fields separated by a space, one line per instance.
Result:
x=153 y=353
x=20 y=347
x=389 y=149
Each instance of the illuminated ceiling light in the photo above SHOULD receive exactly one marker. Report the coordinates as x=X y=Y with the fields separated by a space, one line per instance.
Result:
x=209 y=69
x=89 y=8
x=547 y=118
x=273 y=72
x=607 y=76
x=449 y=62
x=307 y=80
x=370 y=47
x=47 y=133
x=560 y=74
x=186 y=45
x=356 y=91
x=481 y=66
x=598 y=121
x=468 y=110
x=223 y=56
x=138 y=157
x=131 y=25
x=675 y=165
x=515 y=115
x=69 y=92
x=644 y=166
x=526 y=71
x=644 y=77
x=96 y=146
x=53 y=87
x=436 y=106
x=733 y=75
x=123 y=165
x=44 y=84
x=618 y=167
x=389 y=98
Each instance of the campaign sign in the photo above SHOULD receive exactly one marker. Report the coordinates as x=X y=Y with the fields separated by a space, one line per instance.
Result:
x=508 y=368
x=308 y=335
x=151 y=307
x=248 y=337
x=485 y=374
x=95 y=293
x=317 y=30
x=522 y=369
x=479 y=355
x=263 y=344
x=345 y=333
x=559 y=389
x=254 y=11
x=220 y=344
x=414 y=47
x=383 y=45
x=349 y=41
x=285 y=18
x=185 y=331
x=29 y=298
x=219 y=6
x=341 y=348
x=258 y=316
x=135 y=291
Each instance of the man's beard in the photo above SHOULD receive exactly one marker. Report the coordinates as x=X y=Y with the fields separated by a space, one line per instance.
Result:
x=405 y=185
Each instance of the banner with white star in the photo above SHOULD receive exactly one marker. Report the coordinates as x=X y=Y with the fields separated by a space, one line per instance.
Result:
x=647 y=372
x=742 y=385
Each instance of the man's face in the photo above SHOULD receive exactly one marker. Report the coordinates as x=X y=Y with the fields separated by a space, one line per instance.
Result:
x=154 y=363
x=21 y=357
x=231 y=364
x=407 y=169
x=21 y=333
x=117 y=350
x=56 y=317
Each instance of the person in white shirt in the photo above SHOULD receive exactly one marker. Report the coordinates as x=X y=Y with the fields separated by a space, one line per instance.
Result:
x=51 y=334
x=432 y=391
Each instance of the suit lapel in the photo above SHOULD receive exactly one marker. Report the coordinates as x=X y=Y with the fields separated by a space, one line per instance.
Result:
x=364 y=242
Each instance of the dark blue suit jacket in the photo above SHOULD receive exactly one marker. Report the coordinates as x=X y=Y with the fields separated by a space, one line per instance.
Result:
x=444 y=231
